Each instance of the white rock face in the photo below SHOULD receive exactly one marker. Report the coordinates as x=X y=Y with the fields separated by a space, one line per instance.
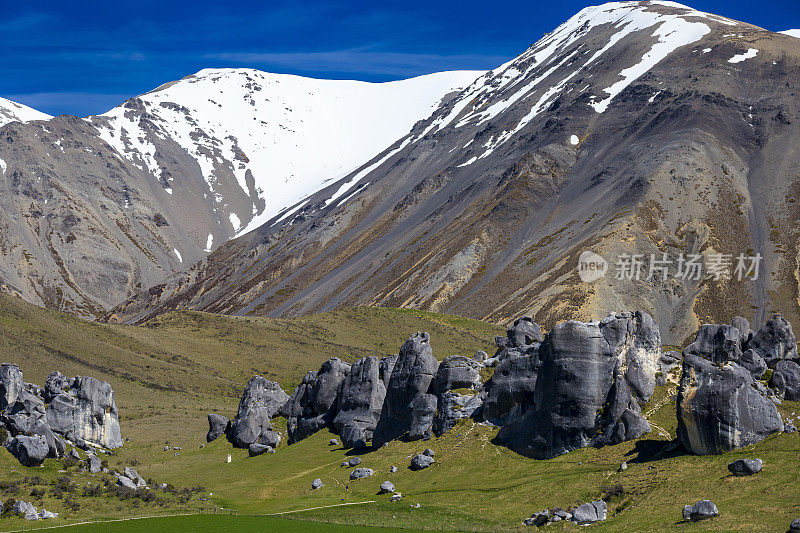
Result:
x=85 y=409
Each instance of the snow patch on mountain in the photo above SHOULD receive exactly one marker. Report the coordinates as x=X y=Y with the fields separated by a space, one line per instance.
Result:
x=738 y=58
x=791 y=33
x=292 y=134
x=14 y=112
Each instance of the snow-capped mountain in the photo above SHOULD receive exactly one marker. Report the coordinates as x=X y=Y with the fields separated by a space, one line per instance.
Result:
x=15 y=112
x=633 y=128
x=94 y=209
x=262 y=141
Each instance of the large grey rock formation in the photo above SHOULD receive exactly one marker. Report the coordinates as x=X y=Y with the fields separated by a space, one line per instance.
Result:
x=29 y=451
x=262 y=399
x=721 y=407
x=584 y=392
x=718 y=343
x=22 y=415
x=422 y=410
x=55 y=446
x=411 y=377
x=360 y=402
x=86 y=411
x=313 y=403
x=743 y=325
x=775 y=341
x=457 y=386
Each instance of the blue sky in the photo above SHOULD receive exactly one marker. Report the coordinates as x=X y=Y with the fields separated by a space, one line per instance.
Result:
x=82 y=57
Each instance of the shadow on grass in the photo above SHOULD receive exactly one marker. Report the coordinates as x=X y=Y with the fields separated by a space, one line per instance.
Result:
x=647 y=450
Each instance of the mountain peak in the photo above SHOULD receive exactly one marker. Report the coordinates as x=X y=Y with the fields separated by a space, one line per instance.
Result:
x=15 y=112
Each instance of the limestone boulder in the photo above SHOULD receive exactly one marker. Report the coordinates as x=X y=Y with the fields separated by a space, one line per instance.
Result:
x=360 y=402
x=29 y=451
x=86 y=411
x=775 y=341
x=218 y=426
x=411 y=377
x=721 y=407
x=260 y=401
x=786 y=380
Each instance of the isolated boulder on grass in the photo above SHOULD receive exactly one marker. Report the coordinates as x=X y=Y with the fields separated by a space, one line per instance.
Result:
x=589 y=513
x=702 y=510
x=94 y=463
x=133 y=475
x=127 y=483
x=420 y=462
x=360 y=473
x=745 y=467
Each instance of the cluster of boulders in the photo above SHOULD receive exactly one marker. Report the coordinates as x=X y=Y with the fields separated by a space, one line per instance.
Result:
x=582 y=384
x=722 y=405
x=587 y=513
x=40 y=422
x=27 y=511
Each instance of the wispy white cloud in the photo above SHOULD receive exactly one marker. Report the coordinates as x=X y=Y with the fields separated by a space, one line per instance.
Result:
x=362 y=61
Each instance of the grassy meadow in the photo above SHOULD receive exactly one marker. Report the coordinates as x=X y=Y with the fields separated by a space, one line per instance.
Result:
x=169 y=373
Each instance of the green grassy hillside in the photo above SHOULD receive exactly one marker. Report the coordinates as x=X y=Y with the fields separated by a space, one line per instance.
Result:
x=170 y=373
